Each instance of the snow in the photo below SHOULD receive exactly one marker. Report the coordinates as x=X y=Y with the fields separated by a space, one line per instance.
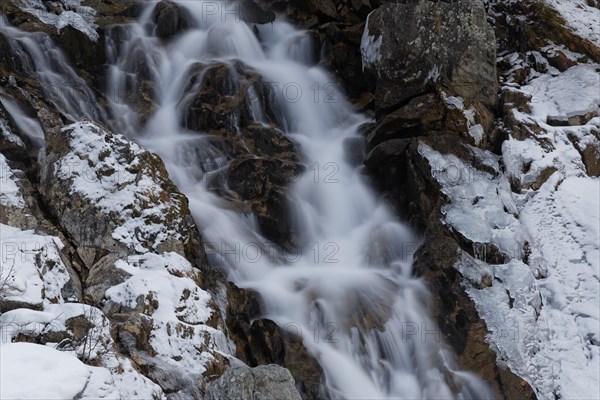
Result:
x=541 y=305
x=114 y=174
x=581 y=17
x=10 y=195
x=575 y=90
x=178 y=307
x=80 y=17
x=31 y=371
x=543 y=316
x=112 y=376
x=31 y=266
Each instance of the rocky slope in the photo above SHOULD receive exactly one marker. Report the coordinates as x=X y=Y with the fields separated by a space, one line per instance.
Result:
x=485 y=137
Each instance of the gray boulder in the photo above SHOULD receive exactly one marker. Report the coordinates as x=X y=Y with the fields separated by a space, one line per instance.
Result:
x=265 y=382
x=412 y=46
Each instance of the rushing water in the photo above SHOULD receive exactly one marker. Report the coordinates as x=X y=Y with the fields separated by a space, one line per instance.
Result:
x=348 y=289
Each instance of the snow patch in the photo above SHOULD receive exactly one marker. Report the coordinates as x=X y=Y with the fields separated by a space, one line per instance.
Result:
x=31 y=267
x=10 y=195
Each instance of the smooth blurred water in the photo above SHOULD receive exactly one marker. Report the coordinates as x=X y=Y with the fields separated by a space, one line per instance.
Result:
x=347 y=290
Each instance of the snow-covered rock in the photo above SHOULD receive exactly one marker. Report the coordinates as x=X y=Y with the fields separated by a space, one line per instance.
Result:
x=539 y=205
x=115 y=199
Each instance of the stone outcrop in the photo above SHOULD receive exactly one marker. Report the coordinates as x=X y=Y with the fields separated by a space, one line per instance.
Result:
x=269 y=382
x=138 y=208
x=445 y=44
x=170 y=19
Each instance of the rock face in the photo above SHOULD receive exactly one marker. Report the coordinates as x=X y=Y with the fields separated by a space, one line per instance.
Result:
x=236 y=107
x=137 y=209
x=268 y=382
x=441 y=43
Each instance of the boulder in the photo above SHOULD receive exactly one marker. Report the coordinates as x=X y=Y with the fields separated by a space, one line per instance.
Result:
x=170 y=19
x=114 y=199
x=408 y=47
x=268 y=382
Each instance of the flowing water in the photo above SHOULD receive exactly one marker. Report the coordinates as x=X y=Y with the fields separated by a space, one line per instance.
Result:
x=346 y=289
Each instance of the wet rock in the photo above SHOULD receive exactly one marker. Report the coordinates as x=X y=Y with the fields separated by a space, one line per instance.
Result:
x=261 y=341
x=447 y=44
x=224 y=96
x=260 y=184
x=354 y=149
x=421 y=116
x=170 y=19
x=252 y=12
x=269 y=382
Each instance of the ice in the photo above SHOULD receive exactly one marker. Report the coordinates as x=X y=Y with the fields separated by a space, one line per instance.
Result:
x=80 y=17
x=370 y=47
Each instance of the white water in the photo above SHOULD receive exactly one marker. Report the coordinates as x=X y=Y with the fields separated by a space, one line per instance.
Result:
x=348 y=291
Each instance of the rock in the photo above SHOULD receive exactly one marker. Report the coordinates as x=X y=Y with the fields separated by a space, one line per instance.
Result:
x=269 y=382
x=449 y=44
x=514 y=99
x=251 y=12
x=421 y=116
x=261 y=341
x=591 y=159
x=573 y=119
x=113 y=222
x=531 y=26
x=170 y=19
x=459 y=320
x=223 y=96
x=354 y=149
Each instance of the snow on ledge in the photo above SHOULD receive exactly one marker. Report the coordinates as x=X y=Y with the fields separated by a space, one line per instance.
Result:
x=80 y=17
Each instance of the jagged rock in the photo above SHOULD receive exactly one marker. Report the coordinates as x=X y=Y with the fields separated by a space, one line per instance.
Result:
x=421 y=116
x=524 y=26
x=112 y=197
x=449 y=44
x=269 y=382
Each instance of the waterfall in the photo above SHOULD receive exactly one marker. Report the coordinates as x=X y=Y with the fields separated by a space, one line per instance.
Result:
x=345 y=286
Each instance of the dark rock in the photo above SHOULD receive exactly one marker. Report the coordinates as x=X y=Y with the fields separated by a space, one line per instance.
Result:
x=251 y=12
x=449 y=44
x=354 y=149
x=261 y=341
x=421 y=116
x=170 y=19
x=223 y=96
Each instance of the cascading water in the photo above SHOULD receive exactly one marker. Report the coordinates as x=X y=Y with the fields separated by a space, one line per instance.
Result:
x=37 y=56
x=346 y=290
